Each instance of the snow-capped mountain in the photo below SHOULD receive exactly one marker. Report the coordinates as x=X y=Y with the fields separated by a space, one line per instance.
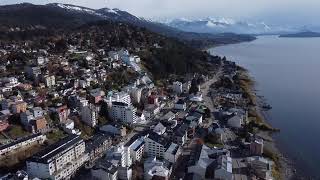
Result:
x=103 y=13
x=224 y=25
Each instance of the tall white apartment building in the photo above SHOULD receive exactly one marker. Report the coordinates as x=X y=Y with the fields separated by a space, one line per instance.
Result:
x=123 y=112
x=50 y=80
x=136 y=147
x=60 y=160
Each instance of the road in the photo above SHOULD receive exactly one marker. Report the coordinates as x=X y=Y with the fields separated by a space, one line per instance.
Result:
x=205 y=88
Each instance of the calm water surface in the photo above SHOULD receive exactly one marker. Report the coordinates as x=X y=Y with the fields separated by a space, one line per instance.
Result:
x=287 y=71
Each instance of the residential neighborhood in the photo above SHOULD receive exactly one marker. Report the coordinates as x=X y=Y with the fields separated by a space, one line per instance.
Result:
x=67 y=119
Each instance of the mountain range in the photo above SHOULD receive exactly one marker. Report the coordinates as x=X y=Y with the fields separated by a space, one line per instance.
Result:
x=224 y=25
x=65 y=16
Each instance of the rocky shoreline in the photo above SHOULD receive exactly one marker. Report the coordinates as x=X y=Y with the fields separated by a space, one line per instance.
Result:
x=285 y=166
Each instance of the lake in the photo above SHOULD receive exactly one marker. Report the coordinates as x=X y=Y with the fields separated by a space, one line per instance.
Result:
x=287 y=72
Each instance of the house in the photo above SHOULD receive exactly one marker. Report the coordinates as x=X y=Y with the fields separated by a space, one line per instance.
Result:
x=210 y=163
x=195 y=117
x=172 y=153
x=153 y=99
x=156 y=145
x=96 y=95
x=180 y=105
x=168 y=116
x=256 y=147
x=236 y=121
x=123 y=112
x=4 y=124
x=154 y=168
x=114 y=130
x=104 y=170
x=34 y=120
x=16 y=106
x=151 y=110
x=159 y=129
x=62 y=112
x=196 y=97
x=60 y=160
x=261 y=167
x=39 y=124
x=186 y=86
x=114 y=55
x=68 y=127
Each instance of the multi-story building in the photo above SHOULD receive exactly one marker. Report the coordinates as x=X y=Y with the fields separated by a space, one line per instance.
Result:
x=62 y=112
x=156 y=145
x=50 y=80
x=33 y=72
x=181 y=134
x=60 y=160
x=97 y=146
x=123 y=97
x=15 y=104
x=120 y=157
x=172 y=153
x=256 y=147
x=136 y=147
x=21 y=143
x=123 y=112
x=177 y=87
x=89 y=115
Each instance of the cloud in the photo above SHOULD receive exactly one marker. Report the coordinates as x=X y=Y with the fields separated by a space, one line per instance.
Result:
x=277 y=10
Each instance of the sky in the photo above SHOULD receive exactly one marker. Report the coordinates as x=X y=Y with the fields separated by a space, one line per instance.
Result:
x=276 y=11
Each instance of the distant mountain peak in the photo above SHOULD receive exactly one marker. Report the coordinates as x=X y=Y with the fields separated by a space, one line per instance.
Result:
x=224 y=25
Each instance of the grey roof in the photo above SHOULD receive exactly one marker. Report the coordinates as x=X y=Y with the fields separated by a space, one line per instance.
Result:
x=119 y=103
x=96 y=141
x=106 y=166
x=181 y=130
x=45 y=155
x=159 y=139
x=19 y=141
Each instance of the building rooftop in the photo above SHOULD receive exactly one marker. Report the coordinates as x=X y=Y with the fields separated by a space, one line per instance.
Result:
x=173 y=148
x=119 y=104
x=45 y=155
x=19 y=141
x=96 y=141
x=106 y=166
x=159 y=139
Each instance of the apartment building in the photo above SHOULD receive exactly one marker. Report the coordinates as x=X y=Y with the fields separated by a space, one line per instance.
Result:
x=21 y=143
x=123 y=112
x=136 y=148
x=156 y=145
x=60 y=160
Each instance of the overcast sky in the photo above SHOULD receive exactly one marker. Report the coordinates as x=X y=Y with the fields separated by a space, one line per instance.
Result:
x=277 y=11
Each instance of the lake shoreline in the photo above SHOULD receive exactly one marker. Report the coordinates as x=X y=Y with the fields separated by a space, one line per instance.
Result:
x=286 y=168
